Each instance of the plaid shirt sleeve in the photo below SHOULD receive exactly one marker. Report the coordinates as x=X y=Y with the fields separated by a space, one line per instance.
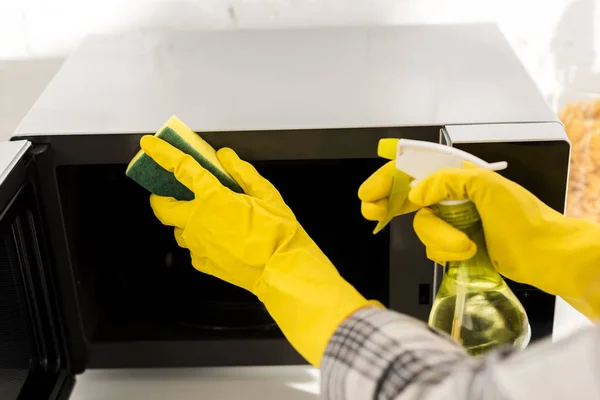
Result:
x=381 y=354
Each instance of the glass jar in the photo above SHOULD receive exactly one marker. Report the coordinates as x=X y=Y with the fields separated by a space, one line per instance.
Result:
x=580 y=114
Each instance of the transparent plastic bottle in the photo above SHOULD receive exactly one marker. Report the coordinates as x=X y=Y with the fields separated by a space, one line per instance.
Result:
x=474 y=304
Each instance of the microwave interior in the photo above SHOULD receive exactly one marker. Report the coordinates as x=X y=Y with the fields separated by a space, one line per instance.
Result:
x=136 y=284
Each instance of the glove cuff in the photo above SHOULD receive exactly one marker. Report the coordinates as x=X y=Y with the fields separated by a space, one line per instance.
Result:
x=577 y=279
x=308 y=299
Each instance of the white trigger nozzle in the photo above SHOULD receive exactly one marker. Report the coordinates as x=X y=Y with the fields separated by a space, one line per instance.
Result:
x=420 y=159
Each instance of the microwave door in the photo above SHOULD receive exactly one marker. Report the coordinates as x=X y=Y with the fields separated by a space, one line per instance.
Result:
x=30 y=351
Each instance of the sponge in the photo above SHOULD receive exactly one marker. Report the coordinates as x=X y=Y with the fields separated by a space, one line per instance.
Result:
x=151 y=176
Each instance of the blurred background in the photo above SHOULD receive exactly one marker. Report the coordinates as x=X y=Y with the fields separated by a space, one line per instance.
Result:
x=553 y=38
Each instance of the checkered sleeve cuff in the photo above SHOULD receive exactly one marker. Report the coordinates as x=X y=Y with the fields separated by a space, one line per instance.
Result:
x=379 y=354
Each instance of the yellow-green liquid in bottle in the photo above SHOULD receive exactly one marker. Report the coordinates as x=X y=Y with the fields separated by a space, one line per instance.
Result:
x=474 y=304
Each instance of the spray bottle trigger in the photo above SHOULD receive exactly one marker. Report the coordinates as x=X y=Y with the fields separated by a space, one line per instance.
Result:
x=396 y=199
x=387 y=148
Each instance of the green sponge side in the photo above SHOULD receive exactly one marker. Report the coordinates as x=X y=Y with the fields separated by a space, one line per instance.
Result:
x=151 y=176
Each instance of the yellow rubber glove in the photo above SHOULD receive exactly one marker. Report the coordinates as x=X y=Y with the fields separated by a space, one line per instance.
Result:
x=528 y=241
x=374 y=193
x=254 y=241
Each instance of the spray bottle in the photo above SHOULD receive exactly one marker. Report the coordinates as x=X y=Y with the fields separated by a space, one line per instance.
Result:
x=474 y=305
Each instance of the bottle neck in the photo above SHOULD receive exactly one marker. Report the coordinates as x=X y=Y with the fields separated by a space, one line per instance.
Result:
x=463 y=216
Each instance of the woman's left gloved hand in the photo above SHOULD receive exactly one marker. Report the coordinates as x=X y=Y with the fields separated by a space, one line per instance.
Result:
x=254 y=241
x=528 y=241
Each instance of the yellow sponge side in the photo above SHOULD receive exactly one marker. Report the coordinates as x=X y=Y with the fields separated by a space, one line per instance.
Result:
x=155 y=179
x=199 y=144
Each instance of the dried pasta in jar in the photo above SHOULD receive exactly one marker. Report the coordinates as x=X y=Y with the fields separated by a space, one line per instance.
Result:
x=582 y=125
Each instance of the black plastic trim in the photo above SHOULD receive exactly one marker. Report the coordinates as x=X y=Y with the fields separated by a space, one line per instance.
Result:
x=196 y=353
x=19 y=214
x=64 y=280
x=251 y=145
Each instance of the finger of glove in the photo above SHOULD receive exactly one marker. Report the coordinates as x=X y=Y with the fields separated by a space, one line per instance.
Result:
x=438 y=258
x=443 y=242
x=447 y=184
x=247 y=176
x=378 y=210
x=171 y=212
x=379 y=185
x=183 y=166
x=374 y=211
x=178 y=232
x=203 y=264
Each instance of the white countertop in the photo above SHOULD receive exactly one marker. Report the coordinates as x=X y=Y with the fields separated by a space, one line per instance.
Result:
x=248 y=383
x=234 y=383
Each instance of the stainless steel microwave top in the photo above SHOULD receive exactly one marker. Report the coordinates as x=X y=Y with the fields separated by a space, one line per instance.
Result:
x=322 y=78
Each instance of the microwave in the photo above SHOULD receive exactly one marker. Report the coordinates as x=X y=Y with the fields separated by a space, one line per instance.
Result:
x=90 y=278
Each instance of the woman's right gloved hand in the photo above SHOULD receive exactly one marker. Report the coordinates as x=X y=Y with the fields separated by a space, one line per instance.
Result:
x=527 y=241
x=254 y=241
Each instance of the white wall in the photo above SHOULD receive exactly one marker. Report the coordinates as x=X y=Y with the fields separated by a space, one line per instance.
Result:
x=41 y=28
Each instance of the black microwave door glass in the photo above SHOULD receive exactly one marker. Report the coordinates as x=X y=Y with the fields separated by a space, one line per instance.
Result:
x=141 y=295
x=30 y=365
x=141 y=286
